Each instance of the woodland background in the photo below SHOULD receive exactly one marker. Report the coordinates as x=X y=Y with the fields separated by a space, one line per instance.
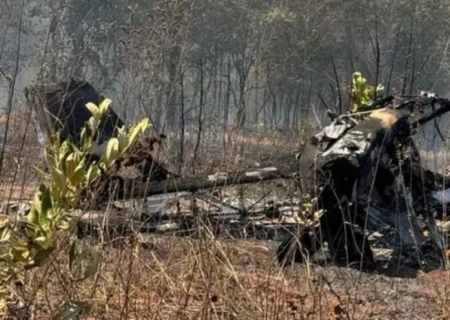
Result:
x=201 y=69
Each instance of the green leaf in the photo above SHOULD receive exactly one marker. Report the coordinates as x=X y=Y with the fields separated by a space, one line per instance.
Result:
x=137 y=130
x=123 y=140
x=380 y=89
x=33 y=215
x=86 y=141
x=40 y=257
x=66 y=148
x=54 y=140
x=111 y=151
x=20 y=253
x=3 y=303
x=4 y=223
x=104 y=105
x=44 y=242
x=64 y=226
x=6 y=235
x=46 y=204
x=92 y=124
x=59 y=179
x=363 y=93
x=41 y=172
x=318 y=214
x=35 y=210
x=70 y=165
x=92 y=174
x=78 y=175
x=95 y=110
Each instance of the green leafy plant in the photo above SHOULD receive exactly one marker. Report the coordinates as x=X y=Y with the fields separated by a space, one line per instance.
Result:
x=31 y=246
x=362 y=93
x=279 y=14
x=309 y=215
x=259 y=128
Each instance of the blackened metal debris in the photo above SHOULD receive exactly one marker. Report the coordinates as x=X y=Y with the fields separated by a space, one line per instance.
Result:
x=368 y=174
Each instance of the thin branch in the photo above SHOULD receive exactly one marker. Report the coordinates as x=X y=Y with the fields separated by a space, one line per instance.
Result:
x=12 y=87
x=388 y=88
x=338 y=85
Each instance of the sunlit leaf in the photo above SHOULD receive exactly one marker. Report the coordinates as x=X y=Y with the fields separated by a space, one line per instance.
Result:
x=137 y=130
x=59 y=179
x=19 y=252
x=44 y=242
x=318 y=214
x=92 y=174
x=54 y=140
x=92 y=124
x=111 y=151
x=363 y=93
x=95 y=110
x=64 y=225
x=66 y=180
x=104 y=105
x=3 y=303
x=5 y=235
x=33 y=215
x=41 y=257
x=78 y=174
x=122 y=137
x=70 y=165
x=4 y=223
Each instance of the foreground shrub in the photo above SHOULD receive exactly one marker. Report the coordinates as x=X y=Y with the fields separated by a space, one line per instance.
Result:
x=33 y=243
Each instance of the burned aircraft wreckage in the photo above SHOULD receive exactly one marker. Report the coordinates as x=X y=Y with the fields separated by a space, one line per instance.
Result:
x=364 y=174
x=367 y=174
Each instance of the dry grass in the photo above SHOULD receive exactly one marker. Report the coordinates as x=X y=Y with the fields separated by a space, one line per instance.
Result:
x=182 y=278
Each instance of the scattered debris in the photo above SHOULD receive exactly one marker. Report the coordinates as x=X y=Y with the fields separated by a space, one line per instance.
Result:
x=364 y=170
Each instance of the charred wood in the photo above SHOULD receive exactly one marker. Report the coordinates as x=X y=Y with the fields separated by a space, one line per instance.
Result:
x=140 y=188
